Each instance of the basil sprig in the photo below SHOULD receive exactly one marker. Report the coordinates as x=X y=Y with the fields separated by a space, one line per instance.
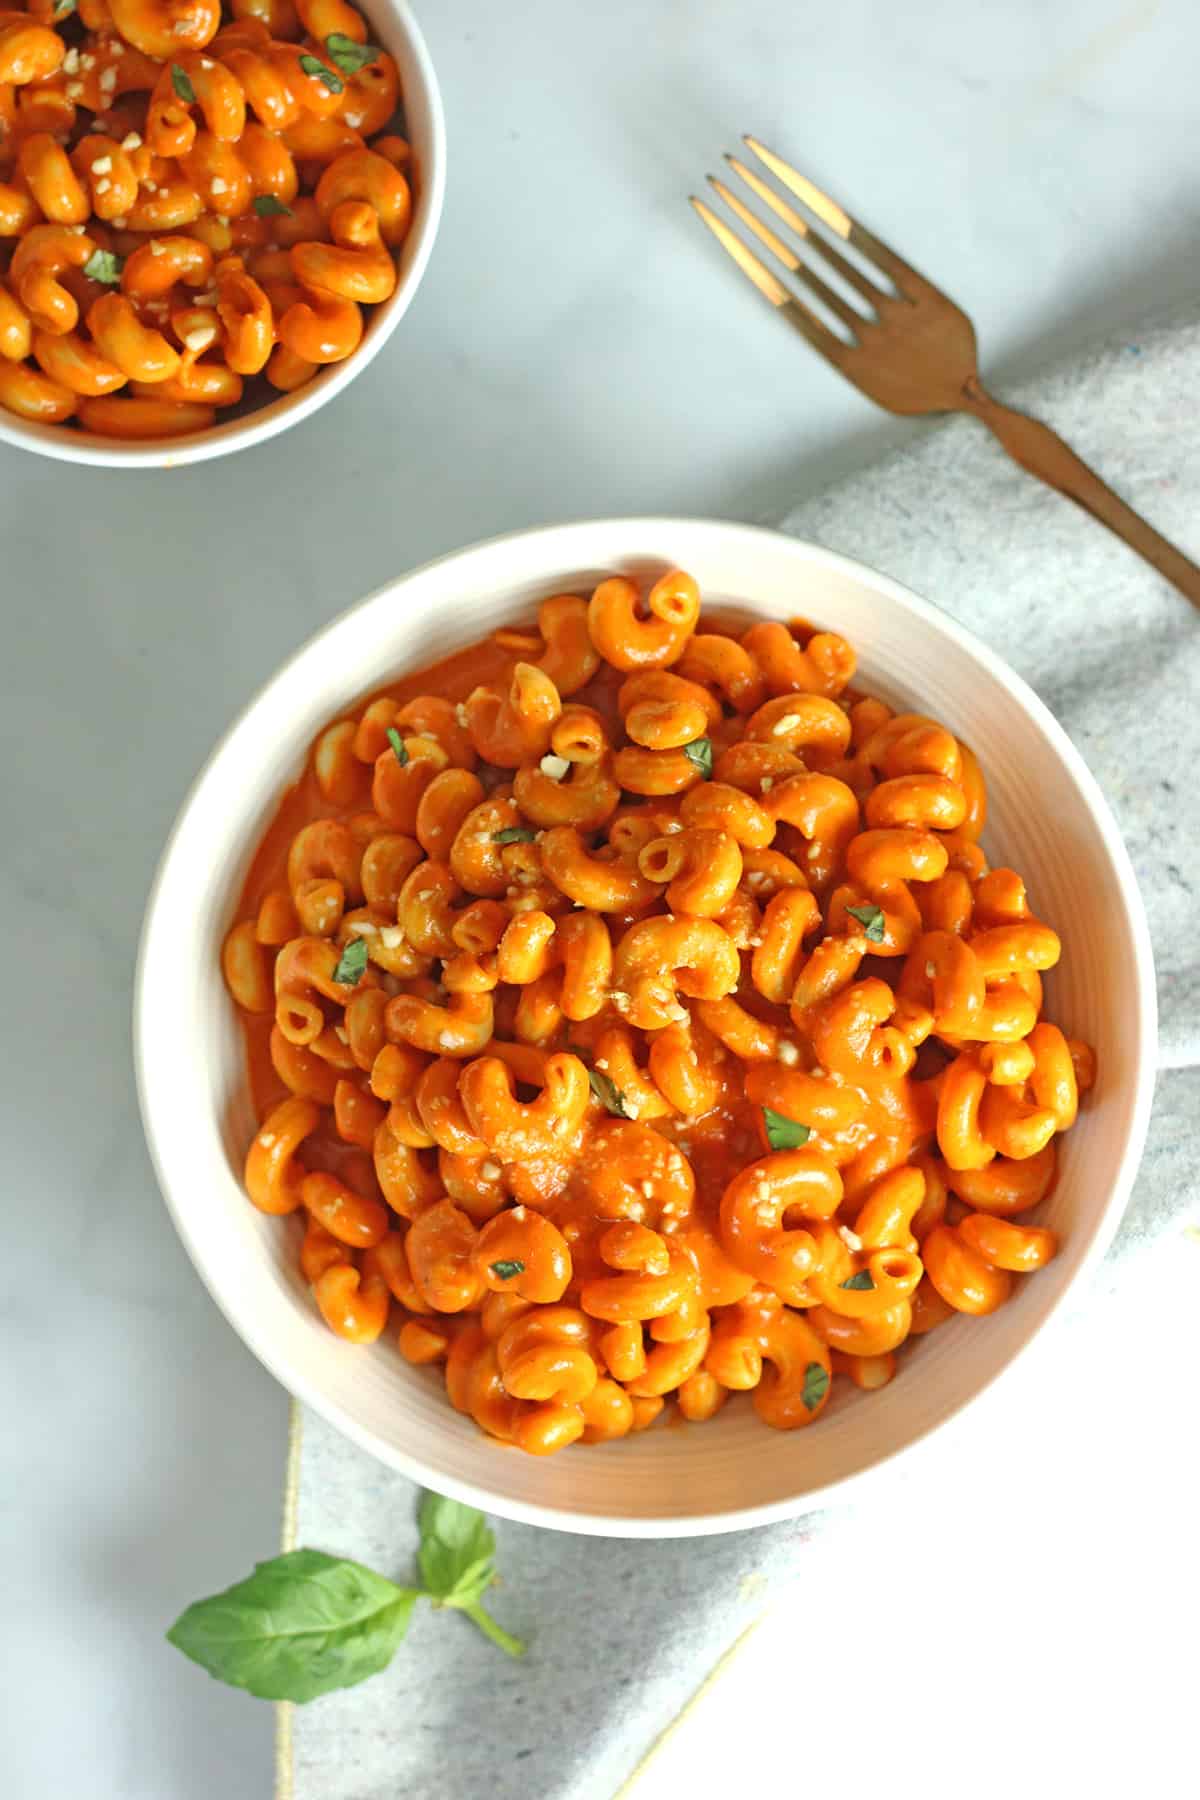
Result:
x=306 y=1623
x=457 y=1559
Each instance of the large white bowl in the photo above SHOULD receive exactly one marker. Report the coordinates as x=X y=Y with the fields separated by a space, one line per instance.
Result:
x=1047 y=817
x=392 y=26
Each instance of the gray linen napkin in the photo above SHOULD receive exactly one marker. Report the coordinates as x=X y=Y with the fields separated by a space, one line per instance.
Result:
x=624 y=1633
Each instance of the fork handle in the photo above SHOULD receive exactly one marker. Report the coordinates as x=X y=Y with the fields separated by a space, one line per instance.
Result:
x=1045 y=455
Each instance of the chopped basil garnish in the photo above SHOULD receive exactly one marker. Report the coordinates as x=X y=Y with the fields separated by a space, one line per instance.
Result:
x=312 y=65
x=105 y=266
x=608 y=1093
x=504 y=1271
x=603 y=1086
x=269 y=206
x=514 y=834
x=398 y=744
x=784 y=1133
x=699 y=754
x=816 y=1386
x=182 y=85
x=352 y=963
x=871 y=920
x=861 y=1281
x=348 y=56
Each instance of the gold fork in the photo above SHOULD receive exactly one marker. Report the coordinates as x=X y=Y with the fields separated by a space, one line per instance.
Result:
x=916 y=352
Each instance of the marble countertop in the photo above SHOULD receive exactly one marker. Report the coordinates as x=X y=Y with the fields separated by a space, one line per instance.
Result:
x=579 y=348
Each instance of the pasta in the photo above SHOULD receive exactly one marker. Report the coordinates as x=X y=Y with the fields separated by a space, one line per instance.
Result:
x=633 y=1016
x=190 y=201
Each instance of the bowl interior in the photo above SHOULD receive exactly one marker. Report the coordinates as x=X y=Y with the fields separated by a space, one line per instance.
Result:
x=393 y=27
x=1046 y=818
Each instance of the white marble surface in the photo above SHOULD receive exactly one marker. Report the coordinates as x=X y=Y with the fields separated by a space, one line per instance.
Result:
x=578 y=348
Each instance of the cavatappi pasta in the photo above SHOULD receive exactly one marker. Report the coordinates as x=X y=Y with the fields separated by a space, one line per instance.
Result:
x=633 y=1016
x=191 y=199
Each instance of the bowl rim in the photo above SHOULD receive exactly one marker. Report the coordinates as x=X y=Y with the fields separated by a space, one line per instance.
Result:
x=557 y=541
x=278 y=415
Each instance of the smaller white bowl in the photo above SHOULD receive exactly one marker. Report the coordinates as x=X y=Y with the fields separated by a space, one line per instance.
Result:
x=394 y=28
x=1046 y=817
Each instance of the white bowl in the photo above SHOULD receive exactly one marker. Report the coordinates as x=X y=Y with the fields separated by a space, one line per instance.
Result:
x=394 y=28
x=1047 y=817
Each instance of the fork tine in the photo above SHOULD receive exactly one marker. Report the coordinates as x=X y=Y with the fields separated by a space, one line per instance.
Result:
x=838 y=307
x=839 y=222
x=854 y=277
x=778 y=205
x=825 y=209
x=762 y=232
x=794 y=310
x=743 y=256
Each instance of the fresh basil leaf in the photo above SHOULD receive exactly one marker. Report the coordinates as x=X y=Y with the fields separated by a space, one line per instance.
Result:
x=456 y=1549
x=816 y=1386
x=504 y=1271
x=514 y=834
x=303 y=1624
x=784 y=1133
x=312 y=65
x=456 y=1559
x=398 y=745
x=348 y=56
x=460 y=1527
x=269 y=206
x=699 y=754
x=105 y=266
x=608 y=1093
x=470 y=1587
x=871 y=920
x=182 y=86
x=352 y=963
x=861 y=1281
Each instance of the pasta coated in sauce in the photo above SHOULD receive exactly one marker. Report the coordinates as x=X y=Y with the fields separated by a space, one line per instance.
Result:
x=633 y=1017
x=191 y=199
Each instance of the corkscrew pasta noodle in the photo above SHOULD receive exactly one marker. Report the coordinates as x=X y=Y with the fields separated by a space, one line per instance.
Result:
x=632 y=1014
